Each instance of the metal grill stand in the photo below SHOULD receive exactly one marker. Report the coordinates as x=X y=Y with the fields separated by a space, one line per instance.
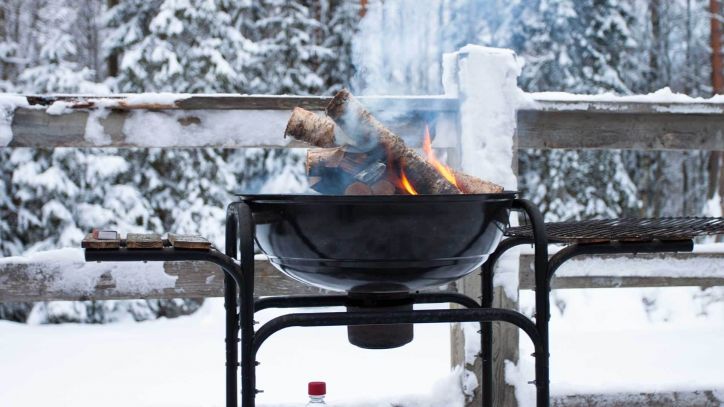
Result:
x=240 y=304
x=240 y=228
x=597 y=237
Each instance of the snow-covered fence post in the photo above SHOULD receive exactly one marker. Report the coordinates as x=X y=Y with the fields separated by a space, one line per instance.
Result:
x=485 y=81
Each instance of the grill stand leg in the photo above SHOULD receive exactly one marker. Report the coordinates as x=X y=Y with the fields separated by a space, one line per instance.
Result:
x=246 y=303
x=542 y=282
x=232 y=340
x=542 y=300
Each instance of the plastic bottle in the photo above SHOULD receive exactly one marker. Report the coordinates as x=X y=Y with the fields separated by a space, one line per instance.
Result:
x=316 y=391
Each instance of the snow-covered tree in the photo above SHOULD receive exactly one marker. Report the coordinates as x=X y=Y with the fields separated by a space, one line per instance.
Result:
x=55 y=73
x=581 y=46
x=288 y=49
x=339 y=20
x=179 y=45
x=54 y=69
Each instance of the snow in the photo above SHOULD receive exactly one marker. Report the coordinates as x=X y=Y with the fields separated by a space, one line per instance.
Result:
x=94 y=131
x=202 y=127
x=605 y=341
x=66 y=271
x=8 y=104
x=663 y=100
x=488 y=123
x=151 y=98
x=59 y=107
x=637 y=267
x=180 y=362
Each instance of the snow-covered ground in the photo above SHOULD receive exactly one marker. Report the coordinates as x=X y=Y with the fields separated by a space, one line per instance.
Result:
x=606 y=341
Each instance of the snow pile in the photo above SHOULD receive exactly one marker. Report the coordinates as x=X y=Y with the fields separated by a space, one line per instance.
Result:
x=8 y=104
x=200 y=128
x=155 y=98
x=66 y=271
x=639 y=267
x=488 y=123
x=94 y=131
x=664 y=101
x=59 y=107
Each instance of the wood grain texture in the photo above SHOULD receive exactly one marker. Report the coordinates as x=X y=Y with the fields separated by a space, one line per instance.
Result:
x=188 y=242
x=48 y=282
x=261 y=128
x=144 y=241
x=663 y=279
x=582 y=129
x=251 y=102
x=90 y=243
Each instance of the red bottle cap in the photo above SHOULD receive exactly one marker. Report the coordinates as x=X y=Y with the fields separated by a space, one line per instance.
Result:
x=317 y=388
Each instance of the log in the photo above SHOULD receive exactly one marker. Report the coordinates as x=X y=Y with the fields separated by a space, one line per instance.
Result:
x=358 y=188
x=311 y=128
x=383 y=187
x=474 y=185
x=355 y=121
x=319 y=158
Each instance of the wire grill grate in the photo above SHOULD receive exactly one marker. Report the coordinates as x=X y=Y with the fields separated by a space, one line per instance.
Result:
x=626 y=229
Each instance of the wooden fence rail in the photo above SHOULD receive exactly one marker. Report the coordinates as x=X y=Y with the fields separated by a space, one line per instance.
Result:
x=42 y=281
x=543 y=124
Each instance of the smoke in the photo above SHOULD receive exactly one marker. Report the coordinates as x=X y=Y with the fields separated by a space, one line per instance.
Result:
x=398 y=49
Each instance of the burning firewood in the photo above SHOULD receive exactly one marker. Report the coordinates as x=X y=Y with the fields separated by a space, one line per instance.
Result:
x=473 y=185
x=311 y=128
x=357 y=122
x=370 y=159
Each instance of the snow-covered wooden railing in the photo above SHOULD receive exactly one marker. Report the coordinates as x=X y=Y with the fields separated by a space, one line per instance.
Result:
x=545 y=121
x=61 y=275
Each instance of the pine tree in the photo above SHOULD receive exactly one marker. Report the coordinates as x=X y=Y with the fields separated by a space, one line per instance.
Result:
x=8 y=51
x=290 y=55
x=54 y=69
x=186 y=46
x=339 y=20
x=128 y=25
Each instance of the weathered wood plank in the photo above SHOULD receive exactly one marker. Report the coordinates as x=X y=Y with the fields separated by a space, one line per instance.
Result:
x=180 y=128
x=191 y=242
x=662 y=270
x=702 y=398
x=50 y=282
x=545 y=125
x=144 y=241
x=583 y=129
x=89 y=242
x=432 y=103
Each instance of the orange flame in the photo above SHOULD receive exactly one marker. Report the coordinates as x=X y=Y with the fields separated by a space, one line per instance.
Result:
x=406 y=183
x=443 y=169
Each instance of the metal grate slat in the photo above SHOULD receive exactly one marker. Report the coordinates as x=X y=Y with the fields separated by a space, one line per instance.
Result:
x=626 y=229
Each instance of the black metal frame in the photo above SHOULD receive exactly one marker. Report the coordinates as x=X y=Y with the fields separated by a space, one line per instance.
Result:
x=241 y=305
x=240 y=238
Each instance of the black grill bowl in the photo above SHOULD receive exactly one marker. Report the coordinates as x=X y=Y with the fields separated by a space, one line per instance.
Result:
x=378 y=244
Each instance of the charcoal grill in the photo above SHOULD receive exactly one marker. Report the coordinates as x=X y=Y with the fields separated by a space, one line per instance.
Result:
x=435 y=240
